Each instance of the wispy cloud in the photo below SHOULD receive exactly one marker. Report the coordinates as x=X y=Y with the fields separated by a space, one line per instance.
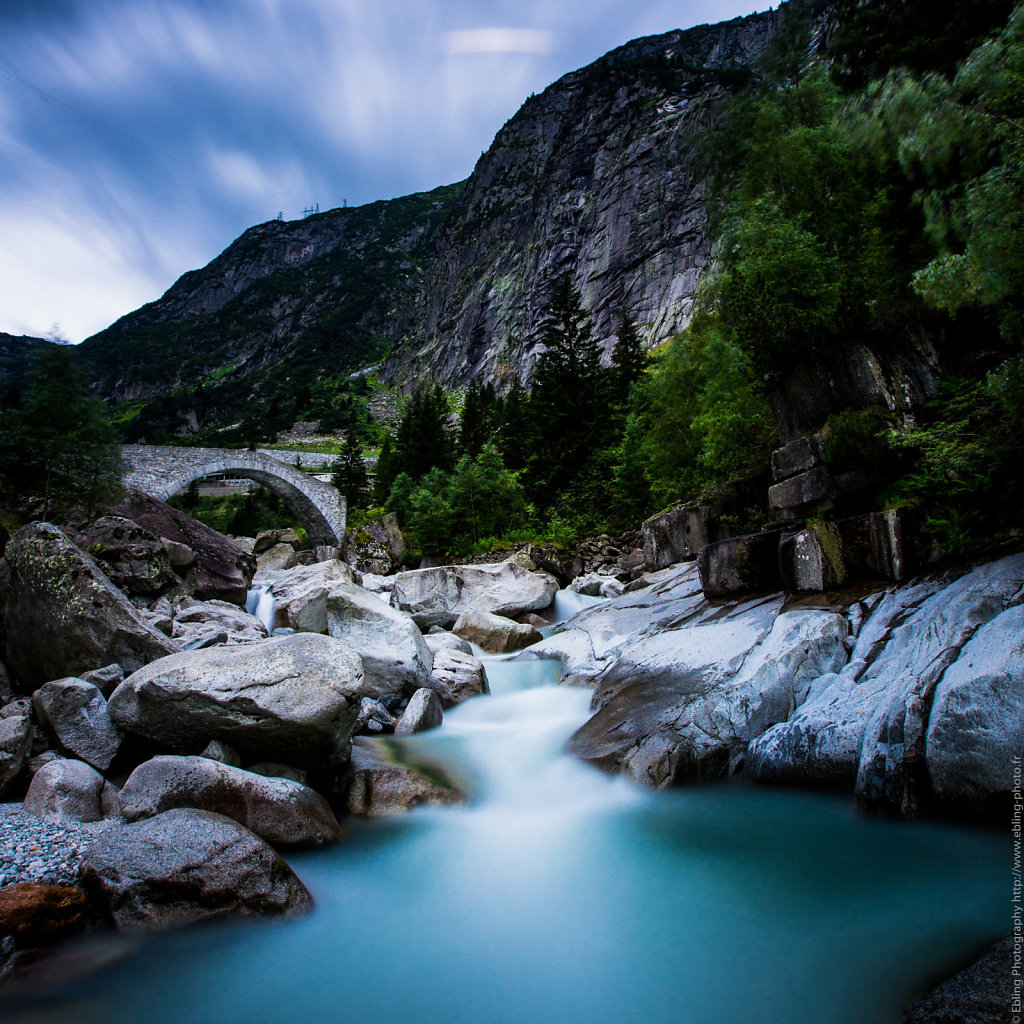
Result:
x=139 y=137
x=499 y=40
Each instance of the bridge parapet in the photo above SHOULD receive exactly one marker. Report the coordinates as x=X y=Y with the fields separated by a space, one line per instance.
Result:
x=163 y=471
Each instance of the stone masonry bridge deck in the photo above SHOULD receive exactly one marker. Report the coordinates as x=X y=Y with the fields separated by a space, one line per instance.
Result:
x=162 y=472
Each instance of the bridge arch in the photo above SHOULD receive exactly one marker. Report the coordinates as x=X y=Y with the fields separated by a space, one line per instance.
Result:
x=162 y=472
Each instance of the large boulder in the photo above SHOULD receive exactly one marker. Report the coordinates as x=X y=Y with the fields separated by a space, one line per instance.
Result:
x=279 y=557
x=185 y=866
x=683 y=704
x=495 y=634
x=383 y=782
x=437 y=597
x=278 y=810
x=222 y=569
x=376 y=547
x=64 y=616
x=134 y=558
x=888 y=724
x=15 y=744
x=70 y=791
x=300 y=594
x=292 y=698
x=395 y=656
x=196 y=619
x=976 y=725
x=75 y=712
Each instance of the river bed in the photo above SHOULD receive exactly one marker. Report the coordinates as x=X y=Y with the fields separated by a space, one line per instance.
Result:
x=563 y=895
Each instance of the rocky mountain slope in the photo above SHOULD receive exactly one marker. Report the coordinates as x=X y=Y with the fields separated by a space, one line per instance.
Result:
x=596 y=177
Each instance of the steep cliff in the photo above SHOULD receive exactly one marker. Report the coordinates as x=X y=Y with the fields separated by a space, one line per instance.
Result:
x=285 y=306
x=597 y=177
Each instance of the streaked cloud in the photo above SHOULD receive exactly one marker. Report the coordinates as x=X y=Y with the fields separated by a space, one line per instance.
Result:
x=138 y=138
x=499 y=40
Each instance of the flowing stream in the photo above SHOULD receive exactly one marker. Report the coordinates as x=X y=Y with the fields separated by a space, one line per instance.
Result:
x=260 y=602
x=563 y=895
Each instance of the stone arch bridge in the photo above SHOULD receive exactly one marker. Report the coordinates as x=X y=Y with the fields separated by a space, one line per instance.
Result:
x=162 y=472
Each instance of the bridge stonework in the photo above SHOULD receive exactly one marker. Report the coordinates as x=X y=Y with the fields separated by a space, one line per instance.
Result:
x=162 y=472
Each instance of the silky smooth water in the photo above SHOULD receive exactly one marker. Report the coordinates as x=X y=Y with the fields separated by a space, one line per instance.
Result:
x=260 y=602
x=562 y=895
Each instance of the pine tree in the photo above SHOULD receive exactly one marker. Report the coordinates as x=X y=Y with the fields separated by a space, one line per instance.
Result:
x=569 y=401
x=350 y=473
x=513 y=430
x=385 y=473
x=58 y=454
x=422 y=440
x=476 y=423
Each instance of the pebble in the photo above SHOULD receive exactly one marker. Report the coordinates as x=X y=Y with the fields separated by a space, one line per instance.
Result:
x=42 y=850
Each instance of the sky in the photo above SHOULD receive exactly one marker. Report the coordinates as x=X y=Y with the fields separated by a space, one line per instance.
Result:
x=139 y=138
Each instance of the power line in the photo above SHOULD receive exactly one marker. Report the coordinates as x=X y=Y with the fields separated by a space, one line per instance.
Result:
x=139 y=142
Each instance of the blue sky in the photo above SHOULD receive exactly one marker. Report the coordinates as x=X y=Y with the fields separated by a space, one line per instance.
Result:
x=138 y=138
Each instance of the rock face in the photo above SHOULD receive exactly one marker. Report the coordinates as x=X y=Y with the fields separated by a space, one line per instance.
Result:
x=382 y=783
x=912 y=699
x=186 y=866
x=76 y=713
x=292 y=698
x=282 y=812
x=423 y=712
x=300 y=594
x=890 y=724
x=64 y=616
x=32 y=914
x=222 y=569
x=495 y=634
x=437 y=597
x=395 y=656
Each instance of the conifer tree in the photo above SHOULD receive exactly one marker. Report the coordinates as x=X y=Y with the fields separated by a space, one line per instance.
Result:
x=476 y=423
x=628 y=357
x=422 y=440
x=569 y=401
x=349 y=473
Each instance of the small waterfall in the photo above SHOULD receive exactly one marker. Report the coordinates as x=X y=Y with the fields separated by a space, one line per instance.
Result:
x=260 y=602
x=568 y=603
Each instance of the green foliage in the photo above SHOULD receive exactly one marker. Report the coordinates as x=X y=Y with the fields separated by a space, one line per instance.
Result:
x=58 y=452
x=422 y=438
x=349 y=473
x=450 y=513
x=569 y=398
x=697 y=419
x=240 y=515
x=962 y=143
x=628 y=358
x=871 y=39
x=476 y=422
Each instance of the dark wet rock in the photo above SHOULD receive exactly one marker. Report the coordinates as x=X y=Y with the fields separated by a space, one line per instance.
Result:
x=65 y=617
x=186 y=866
x=75 y=713
x=382 y=782
x=107 y=678
x=31 y=914
x=134 y=558
x=15 y=744
x=222 y=569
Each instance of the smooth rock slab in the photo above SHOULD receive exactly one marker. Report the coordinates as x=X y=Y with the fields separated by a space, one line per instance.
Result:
x=76 y=713
x=278 y=810
x=292 y=698
x=300 y=594
x=185 y=866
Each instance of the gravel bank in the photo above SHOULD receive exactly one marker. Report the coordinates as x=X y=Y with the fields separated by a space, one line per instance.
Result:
x=41 y=850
